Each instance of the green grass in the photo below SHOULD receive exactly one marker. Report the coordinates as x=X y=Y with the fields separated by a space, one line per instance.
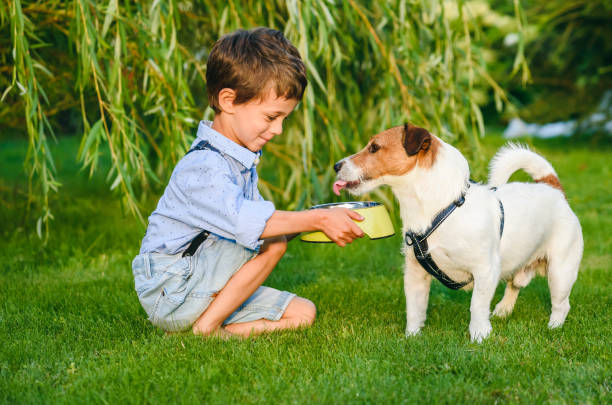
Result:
x=72 y=329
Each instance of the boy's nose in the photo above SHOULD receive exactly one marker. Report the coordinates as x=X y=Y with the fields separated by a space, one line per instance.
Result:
x=277 y=128
x=338 y=166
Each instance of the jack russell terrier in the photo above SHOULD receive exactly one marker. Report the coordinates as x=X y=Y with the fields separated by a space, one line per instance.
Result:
x=470 y=235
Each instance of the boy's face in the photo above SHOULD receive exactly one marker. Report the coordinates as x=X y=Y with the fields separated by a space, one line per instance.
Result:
x=256 y=122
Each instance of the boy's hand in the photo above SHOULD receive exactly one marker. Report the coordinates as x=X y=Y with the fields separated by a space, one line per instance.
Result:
x=338 y=225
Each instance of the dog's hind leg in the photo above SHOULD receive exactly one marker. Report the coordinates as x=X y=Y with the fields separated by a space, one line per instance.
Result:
x=520 y=280
x=562 y=273
x=506 y=305
x=416 y=287
x=564 y=256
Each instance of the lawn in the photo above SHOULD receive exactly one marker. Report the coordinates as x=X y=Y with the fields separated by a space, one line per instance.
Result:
x=72 y=330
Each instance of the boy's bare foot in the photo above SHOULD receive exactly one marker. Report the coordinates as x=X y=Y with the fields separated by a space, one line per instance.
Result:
x=219 y=332
x=166 y=333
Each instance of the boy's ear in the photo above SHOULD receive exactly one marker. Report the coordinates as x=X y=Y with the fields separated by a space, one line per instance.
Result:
x=226 y=99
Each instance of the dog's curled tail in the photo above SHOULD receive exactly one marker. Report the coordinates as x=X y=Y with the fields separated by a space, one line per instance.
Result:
x=513 y=157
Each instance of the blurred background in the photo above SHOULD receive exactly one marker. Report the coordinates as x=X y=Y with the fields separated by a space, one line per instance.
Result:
x=124 y=84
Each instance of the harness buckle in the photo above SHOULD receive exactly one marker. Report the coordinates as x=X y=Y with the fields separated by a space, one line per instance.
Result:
x=410 y=239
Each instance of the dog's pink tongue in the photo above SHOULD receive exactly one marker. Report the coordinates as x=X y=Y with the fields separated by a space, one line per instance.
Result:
x=339 y=185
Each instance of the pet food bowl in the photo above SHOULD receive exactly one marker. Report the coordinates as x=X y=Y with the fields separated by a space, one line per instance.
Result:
x=376 y=223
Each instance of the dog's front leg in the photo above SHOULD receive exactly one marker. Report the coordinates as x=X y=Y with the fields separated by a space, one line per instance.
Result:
x=416 y=288
x=485 y=282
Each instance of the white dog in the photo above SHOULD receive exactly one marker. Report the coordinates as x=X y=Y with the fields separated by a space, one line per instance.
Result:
x=538 y=229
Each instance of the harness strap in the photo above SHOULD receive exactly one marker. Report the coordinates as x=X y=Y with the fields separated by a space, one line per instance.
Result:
x=426 y=261
x=442 y=215
x=501 y=222
x=501 y=208
x=421 y=248
x=201 y=237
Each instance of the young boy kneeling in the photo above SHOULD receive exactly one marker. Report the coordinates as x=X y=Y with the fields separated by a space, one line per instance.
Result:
x=213 y=240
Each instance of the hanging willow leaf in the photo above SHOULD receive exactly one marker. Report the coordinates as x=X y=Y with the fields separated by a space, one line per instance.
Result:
x=136 y=71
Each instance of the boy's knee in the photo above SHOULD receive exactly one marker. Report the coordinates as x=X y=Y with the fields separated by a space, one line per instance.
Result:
x=303 y=311
x=310 y=312
x=277 y=247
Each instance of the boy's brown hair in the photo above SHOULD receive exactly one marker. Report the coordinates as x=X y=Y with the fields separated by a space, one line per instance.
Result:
x=249 y=62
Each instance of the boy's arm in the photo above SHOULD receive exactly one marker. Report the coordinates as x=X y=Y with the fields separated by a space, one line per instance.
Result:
x=336 y=223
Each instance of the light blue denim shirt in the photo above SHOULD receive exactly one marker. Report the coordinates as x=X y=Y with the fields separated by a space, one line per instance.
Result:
x=211 y=190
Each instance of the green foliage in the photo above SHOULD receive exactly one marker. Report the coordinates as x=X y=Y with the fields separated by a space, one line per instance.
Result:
x=573 y=40
x=571 y=57
x=568 y=48
x=129 y=77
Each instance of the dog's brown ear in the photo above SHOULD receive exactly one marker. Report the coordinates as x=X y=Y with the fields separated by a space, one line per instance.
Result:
x=415 y=139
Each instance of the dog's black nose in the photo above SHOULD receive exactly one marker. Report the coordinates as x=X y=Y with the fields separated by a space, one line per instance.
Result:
x=338 y=166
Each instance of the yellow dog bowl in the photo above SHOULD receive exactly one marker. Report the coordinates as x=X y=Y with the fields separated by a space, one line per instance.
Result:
x=376 y=223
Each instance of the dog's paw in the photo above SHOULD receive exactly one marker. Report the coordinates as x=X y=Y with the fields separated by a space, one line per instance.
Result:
x=555 y=323
x=557 y=318
x=412 y=331
x=502 y=310
x=480 y=333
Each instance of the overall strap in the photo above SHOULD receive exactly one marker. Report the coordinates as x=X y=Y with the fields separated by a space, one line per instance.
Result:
x=202 y=145
x=195 y=243
x=201 y=237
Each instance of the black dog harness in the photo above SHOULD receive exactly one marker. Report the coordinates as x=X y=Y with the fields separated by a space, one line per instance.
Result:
x=419 y=244
x=201 y=237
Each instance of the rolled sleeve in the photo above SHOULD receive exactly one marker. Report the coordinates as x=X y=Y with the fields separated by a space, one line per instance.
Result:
x=251 y=222
x=215 y=201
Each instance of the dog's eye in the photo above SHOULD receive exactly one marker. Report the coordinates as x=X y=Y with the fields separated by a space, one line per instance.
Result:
x=373 y=148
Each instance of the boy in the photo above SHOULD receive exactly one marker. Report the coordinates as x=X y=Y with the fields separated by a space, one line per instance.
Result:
x=213 y=240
